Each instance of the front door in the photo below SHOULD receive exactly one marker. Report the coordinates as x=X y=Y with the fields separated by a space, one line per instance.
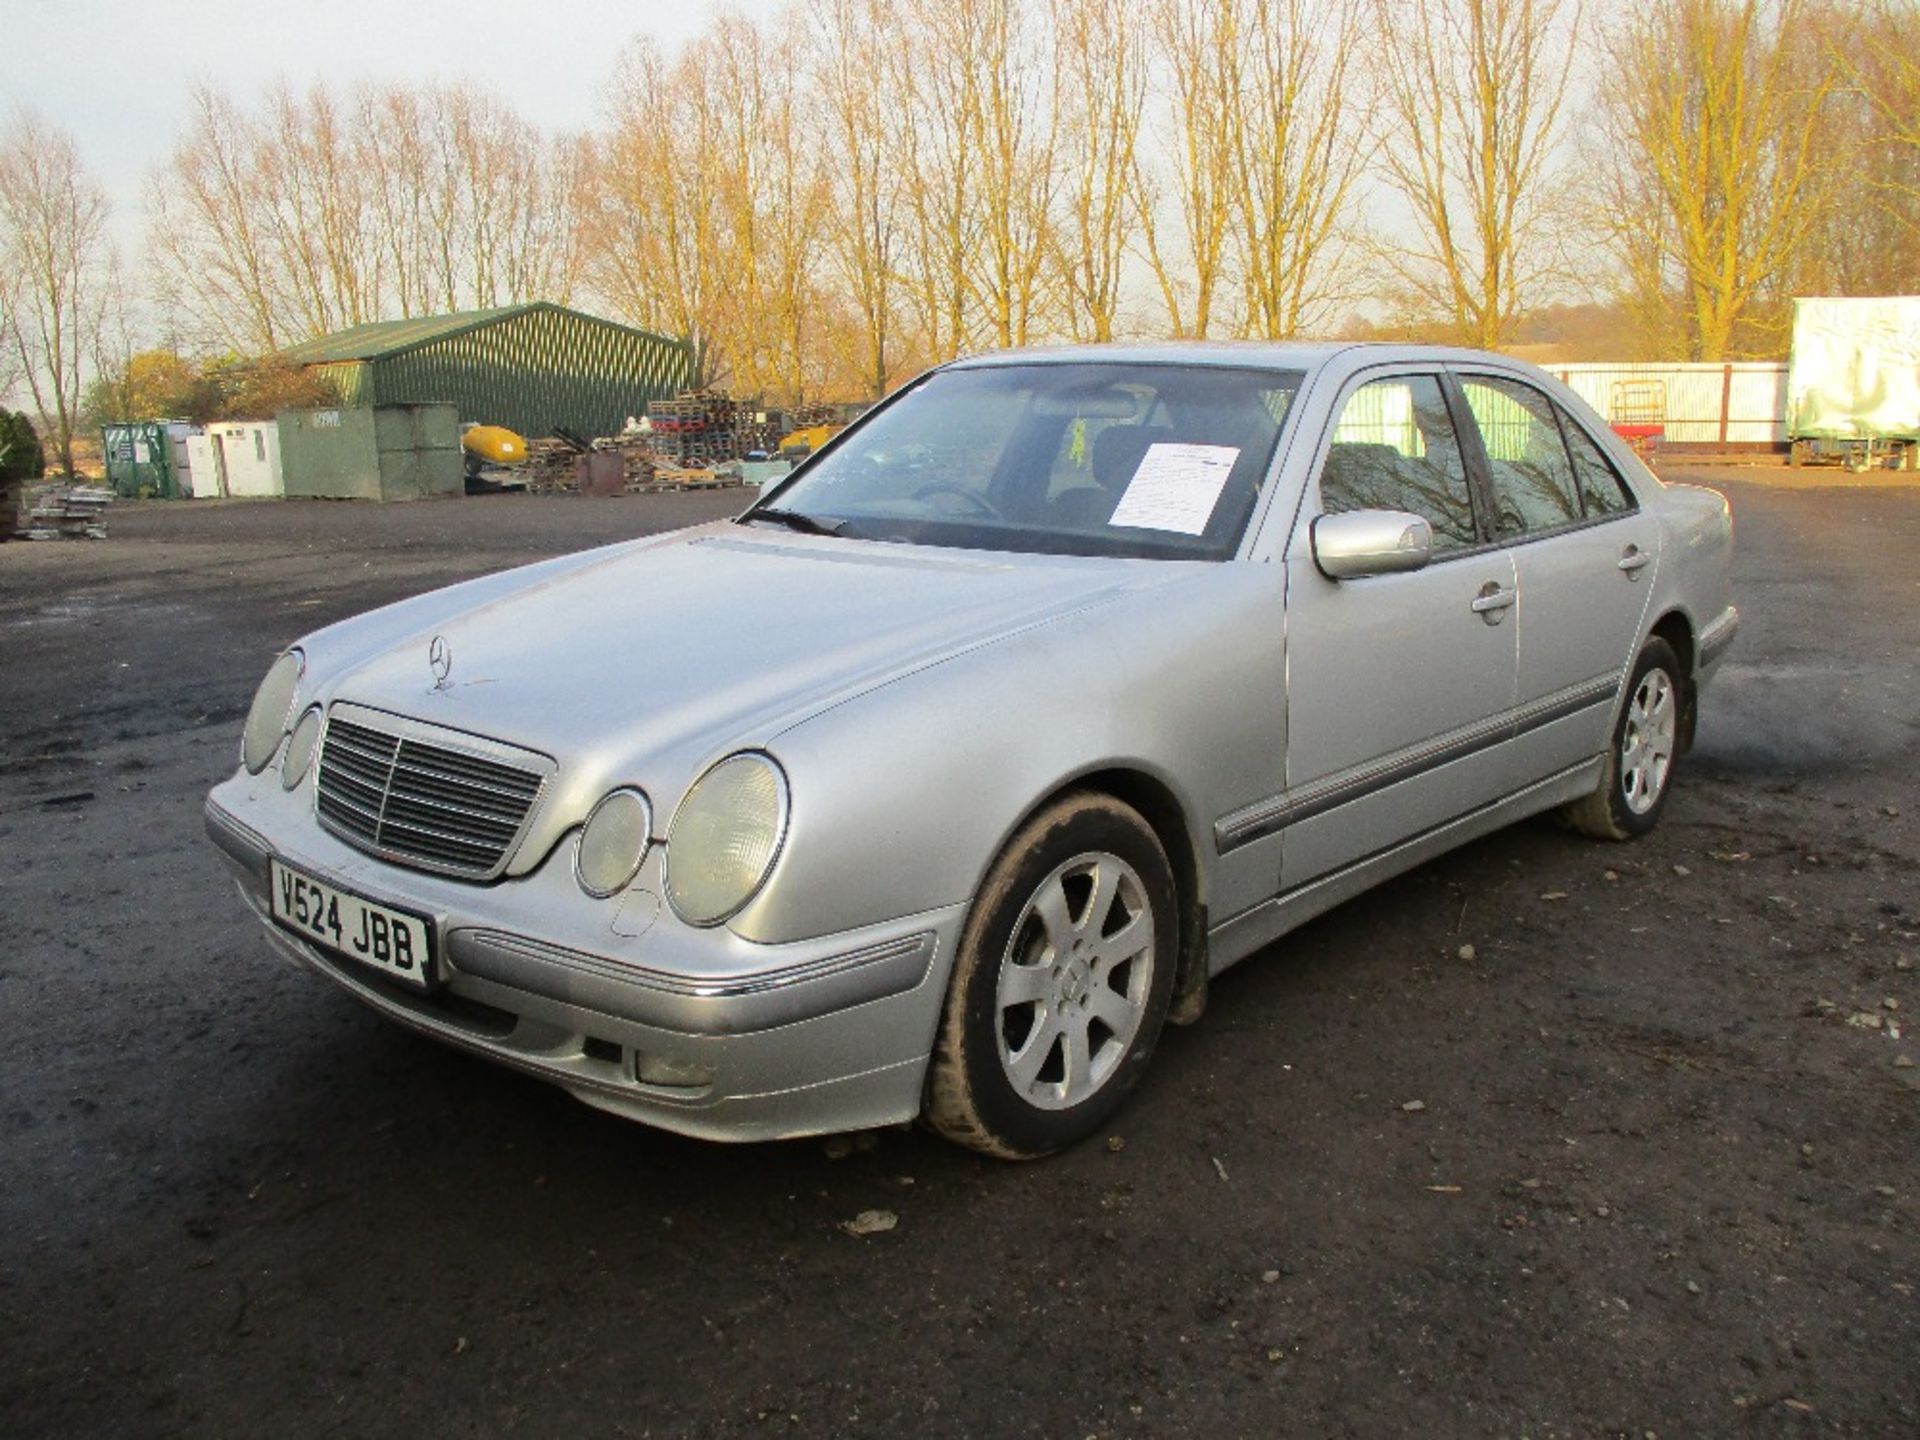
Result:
x=1396 y=684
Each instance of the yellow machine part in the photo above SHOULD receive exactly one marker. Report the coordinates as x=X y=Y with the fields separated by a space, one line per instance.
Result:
x=811 y=438
x=495 y=443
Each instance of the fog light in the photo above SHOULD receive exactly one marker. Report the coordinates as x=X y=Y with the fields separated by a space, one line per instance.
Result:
x=613 y=843
x=676 y=1074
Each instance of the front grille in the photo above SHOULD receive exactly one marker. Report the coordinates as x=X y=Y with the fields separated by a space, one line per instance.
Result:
x=421 y=804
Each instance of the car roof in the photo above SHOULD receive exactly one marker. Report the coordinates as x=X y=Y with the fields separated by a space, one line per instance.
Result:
x=1261 y=354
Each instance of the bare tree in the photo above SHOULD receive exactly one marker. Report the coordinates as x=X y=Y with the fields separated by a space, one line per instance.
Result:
x=53 y=220
x=796 y=195
x=210 y=253
x=390 y=154
x=1300 y=149
x=735 y=102
x=506 y=191
x=1203 y=60
x=934 y=75
x=1103 y=63
x=650 y=218
x=1718 y=133
x=13 y=372
x=863 y=233
x=314 y=211
x=1015 y=182
x=317 y=212
x=1868 y=238
x=1473 y=97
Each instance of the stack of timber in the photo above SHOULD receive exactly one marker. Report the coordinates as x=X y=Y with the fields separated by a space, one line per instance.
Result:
x=637 y=460
x=69 y=512
x=806 y=417
x=551 y=467
x=705 y=477
x=646 y=462
x=698 y=428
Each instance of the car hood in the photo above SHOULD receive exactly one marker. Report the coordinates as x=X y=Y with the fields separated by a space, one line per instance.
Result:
x=645 y=662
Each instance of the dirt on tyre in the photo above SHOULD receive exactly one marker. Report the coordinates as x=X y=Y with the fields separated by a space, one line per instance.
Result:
x=1641 y=753
x=1061 y=983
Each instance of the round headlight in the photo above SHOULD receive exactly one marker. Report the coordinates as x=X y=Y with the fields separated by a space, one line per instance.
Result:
x=272 y=704
x=613 y=842
x=725 y=836
x=306 y=735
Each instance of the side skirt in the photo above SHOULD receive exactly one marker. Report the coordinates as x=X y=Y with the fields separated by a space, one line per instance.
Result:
x=1233 y=940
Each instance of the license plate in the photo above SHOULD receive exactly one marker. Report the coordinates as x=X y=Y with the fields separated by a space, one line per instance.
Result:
x=345 y=923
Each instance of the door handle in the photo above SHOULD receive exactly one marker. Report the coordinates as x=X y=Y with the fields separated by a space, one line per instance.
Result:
x=1492 y=603
x=1633 y=559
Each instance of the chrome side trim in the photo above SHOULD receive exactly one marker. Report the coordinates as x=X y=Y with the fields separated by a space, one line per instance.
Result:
x=1715 y=639
x=1237 y=937
x=1290 y=807
x=688 y=1004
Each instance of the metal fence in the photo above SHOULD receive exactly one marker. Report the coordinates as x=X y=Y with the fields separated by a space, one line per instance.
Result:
x=1740 y=403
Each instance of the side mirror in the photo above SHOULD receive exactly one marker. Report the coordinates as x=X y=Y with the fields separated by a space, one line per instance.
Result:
x=1371 y=542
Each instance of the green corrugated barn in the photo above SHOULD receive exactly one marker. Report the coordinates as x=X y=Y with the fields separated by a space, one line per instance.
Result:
x=529 y=367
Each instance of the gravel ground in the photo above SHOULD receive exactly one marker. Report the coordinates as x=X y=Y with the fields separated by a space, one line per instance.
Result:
x=1547 y=1138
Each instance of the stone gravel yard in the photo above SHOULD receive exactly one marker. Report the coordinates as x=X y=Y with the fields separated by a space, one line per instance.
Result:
x=1547 y=1138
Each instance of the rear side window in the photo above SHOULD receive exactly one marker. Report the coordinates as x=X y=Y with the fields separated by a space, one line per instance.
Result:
x=1394 y=448
x=1600 y=487
x=1533 y=479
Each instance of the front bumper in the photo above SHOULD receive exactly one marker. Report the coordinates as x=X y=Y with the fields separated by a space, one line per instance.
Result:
x=695 y=1031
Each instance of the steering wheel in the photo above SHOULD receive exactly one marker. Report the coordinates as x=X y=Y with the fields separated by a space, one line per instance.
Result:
x=972 y=497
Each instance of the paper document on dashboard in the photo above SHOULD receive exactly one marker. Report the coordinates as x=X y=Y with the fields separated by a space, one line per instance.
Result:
x=1176 y=488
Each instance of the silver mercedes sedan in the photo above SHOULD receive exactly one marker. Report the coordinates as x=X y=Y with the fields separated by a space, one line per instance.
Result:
x=937 y=781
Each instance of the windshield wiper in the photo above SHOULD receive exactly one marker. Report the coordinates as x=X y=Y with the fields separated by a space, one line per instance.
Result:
x=794 y=520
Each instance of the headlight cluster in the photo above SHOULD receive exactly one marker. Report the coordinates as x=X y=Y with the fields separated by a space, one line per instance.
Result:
x=724 y=839
x=272 y=711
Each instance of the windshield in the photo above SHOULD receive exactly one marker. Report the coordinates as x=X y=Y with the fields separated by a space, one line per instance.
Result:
x=1159 y=461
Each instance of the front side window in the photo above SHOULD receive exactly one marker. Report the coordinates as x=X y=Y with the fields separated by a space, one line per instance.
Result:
x=1533 y=482
x=1394 y=448
x=1152 y=461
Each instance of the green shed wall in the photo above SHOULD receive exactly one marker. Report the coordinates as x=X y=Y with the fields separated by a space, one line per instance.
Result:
x=351 y=377
x=532 y=372
x=401 y=452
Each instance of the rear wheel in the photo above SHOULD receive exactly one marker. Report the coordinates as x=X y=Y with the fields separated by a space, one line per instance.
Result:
x=1646 y=743
x=1061 y=982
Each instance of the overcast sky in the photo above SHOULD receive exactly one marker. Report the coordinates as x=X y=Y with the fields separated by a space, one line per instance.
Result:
x=116 y=72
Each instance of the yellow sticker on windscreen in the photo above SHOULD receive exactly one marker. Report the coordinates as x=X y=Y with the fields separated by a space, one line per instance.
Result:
x=1176 y=488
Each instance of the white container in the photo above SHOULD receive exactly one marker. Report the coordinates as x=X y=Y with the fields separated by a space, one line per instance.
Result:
x=247 y=454
x=181 y=457
x=203 y=464
x=762 y=473
x=1856 y=368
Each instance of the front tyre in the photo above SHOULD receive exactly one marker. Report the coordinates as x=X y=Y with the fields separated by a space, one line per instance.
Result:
x=1061 y=982
x=1646 y=743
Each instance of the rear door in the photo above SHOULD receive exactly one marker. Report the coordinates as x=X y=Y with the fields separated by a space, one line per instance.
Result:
x=1396 y=684
x=1584 y=558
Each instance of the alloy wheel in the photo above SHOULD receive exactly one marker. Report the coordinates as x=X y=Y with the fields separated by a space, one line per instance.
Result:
x=1075 y=980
